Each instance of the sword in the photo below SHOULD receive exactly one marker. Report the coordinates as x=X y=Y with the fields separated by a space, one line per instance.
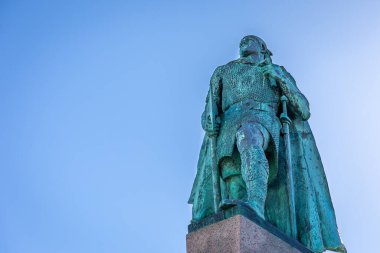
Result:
x=286 y=121
x=214 y=165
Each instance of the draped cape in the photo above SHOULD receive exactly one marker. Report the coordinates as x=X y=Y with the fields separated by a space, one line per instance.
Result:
x=315 y=216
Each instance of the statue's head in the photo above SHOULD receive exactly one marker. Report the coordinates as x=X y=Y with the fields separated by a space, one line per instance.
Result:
x=253 y=45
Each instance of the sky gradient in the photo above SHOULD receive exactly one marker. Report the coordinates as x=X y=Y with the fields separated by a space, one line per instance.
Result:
x=100 y=105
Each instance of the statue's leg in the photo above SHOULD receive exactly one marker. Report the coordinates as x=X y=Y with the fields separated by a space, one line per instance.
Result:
x=231 y=174
x=237 y=187
x=252 y=140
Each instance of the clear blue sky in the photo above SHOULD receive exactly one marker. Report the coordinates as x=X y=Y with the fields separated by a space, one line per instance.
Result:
x=100 y=105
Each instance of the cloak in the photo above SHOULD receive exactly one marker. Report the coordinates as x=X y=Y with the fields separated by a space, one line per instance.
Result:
x=315 y=216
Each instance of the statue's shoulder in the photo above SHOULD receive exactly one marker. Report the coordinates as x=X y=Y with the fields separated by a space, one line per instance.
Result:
x=227 y=66
x=233 y=63
x=280 y=68
x=284 y=72
x=219 y=70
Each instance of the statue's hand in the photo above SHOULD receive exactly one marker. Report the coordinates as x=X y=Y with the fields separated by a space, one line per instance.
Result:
x=212 y=129
x=274 y=72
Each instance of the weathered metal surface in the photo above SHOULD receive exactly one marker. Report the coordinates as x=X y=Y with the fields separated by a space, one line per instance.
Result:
x=286 y=121
x=244 y=152
x=214 y=163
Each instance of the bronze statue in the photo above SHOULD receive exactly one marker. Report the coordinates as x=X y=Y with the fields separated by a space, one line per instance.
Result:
x=259 y=150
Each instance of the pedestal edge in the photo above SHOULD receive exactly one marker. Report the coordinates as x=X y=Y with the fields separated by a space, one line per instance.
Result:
x=250 y=215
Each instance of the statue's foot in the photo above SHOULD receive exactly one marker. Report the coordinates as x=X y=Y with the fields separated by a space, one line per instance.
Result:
x=227 y=203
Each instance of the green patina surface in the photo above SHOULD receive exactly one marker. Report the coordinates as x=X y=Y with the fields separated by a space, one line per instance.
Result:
x=250 y=153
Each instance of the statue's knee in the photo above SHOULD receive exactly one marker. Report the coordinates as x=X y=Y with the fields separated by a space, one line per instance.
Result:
x=249 y=136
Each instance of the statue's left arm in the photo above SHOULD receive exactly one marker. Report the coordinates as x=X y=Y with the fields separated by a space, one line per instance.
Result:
x=298 y=102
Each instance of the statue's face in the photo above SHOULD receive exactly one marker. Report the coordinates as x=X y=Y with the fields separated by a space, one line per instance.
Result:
x=250 y=46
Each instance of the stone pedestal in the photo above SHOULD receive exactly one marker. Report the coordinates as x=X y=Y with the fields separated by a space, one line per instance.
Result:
x=239 y=234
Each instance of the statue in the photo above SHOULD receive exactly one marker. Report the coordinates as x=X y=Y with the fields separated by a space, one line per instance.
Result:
x=259 y=150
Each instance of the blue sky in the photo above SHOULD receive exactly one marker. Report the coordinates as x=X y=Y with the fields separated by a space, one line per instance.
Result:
x=100 y=105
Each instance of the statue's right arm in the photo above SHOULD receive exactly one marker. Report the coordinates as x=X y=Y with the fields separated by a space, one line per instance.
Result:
x=216 y=86
x=297 y=100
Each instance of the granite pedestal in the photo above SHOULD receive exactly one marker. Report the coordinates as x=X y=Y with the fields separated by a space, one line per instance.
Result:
x=239 y=230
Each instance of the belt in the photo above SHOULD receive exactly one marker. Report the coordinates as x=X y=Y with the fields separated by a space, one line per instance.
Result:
x=250 y=104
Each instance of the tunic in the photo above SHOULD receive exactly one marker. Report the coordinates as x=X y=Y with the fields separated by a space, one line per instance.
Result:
x=244 y=95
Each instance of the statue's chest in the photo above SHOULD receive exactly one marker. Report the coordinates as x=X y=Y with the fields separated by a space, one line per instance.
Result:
x=244 y=79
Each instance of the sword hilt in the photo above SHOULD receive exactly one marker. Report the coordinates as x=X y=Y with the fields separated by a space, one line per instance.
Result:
x=284 y=118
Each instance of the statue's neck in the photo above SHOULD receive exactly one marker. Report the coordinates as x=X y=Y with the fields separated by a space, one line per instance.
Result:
x=254 y=58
